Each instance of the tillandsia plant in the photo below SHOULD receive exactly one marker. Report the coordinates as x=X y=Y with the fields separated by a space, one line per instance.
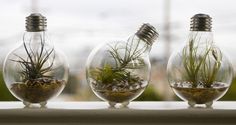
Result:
x=201 y=62
x=198 y=64
x=210 y=69
x=117 y=81
x=33 y=66
x=124 y=63
x=37 y=84
x=35 y=71
x=119 y=71
x=200 y=73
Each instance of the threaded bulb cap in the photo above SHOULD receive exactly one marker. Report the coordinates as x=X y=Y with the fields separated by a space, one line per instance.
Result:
x=201 y=22
x=147 y=33
x=36 y=22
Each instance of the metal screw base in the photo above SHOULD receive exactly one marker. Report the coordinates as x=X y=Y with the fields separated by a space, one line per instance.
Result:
x=36 y=22
x=147 y=33
x=201 y=22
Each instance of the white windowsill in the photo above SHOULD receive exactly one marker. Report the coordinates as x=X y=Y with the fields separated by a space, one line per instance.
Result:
x=87 y=113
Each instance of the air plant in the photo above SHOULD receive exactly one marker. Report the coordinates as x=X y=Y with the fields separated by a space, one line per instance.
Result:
x=198 y=67
x=33 y=67
x=211 y=68
x=124 y=57
x=37 y=85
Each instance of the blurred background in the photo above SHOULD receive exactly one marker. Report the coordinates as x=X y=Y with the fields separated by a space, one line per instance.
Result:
x=77 y=26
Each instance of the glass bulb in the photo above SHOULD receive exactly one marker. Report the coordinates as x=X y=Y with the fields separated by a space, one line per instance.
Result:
x=200 y=73
x=35 y=71
x=119 y=71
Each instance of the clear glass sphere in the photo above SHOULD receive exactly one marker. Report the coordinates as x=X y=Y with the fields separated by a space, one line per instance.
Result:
x=118 y=72
x=35 y=71
x=199 y=73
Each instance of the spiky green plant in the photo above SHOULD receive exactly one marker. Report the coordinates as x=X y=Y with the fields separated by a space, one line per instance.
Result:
x=34 y=65
x=211 y=68
x=123 y=57
x=198 y=65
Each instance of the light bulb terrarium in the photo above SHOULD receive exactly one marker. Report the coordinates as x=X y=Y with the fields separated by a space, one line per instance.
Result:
x=35 y=71
x=119 y=71
x=200 y=73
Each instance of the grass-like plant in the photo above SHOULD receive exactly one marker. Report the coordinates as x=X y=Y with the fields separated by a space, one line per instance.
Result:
x=33 y=67
x=199 y=66
x=123 y=57
x=211 y=67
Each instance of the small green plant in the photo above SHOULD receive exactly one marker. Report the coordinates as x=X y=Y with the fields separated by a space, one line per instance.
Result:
x=108 y=75
x=198 y=63
x=210 y=69
x=33 y=67
x=123 y=57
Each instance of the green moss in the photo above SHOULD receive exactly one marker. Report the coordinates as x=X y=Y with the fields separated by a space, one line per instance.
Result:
x=108 y=75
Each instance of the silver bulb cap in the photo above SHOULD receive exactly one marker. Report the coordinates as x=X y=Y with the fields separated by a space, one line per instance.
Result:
x=201 y=22
x=35 y=22
x=147 y=33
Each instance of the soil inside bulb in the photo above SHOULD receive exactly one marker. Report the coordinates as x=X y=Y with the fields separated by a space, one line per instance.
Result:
x=119 y=92
x=37 y=90
x=200 y=95
x=119 y=96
